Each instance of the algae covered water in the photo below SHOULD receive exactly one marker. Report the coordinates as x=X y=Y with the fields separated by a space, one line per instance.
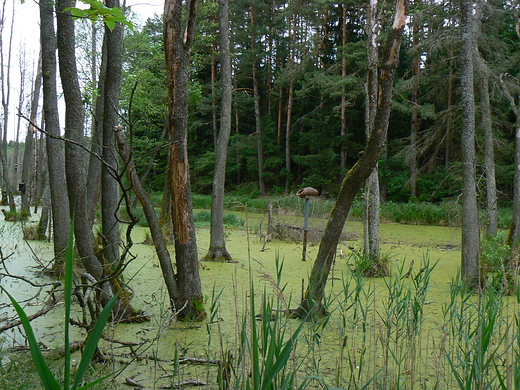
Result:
x=410 y=330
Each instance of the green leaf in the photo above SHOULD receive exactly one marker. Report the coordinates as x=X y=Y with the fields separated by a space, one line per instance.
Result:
x=92 y=341
x=48 y=379
x=110 y=24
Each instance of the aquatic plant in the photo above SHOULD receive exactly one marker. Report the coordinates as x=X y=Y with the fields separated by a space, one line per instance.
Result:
x=47 y=377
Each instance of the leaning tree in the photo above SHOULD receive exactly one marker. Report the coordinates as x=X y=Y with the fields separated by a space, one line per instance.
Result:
x=312 y=302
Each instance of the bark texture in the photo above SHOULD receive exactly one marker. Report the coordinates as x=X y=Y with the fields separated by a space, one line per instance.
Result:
x=178 y=39
x=470 y=228
x=55 y=148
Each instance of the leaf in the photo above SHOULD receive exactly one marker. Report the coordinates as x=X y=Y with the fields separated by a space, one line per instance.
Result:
x=110 y=24
x=48 y=379
x=92 y=341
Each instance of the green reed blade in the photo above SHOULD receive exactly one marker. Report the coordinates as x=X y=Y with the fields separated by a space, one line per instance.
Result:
x=48 y=379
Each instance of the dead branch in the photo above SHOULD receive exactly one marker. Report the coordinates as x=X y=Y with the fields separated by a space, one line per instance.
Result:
x=182 y=384
x=47 y=308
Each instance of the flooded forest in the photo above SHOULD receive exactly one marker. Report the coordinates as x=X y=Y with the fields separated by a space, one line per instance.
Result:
x=259 y=195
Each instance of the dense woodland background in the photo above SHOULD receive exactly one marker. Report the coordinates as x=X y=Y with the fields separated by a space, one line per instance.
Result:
x=308 y=60
x=310 y=80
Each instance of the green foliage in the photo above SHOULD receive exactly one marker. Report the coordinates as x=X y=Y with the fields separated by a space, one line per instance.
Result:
x=47 y=377
x=98 y=11
x=444 y=214
x=203 y=218
x=497 y=264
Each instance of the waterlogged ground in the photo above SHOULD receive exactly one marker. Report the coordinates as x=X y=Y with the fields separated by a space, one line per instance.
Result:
x=366 y=340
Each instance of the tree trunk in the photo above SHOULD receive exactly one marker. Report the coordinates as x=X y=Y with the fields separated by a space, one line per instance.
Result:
x=6 y=91
x=312 y=302
x=153 y=222
x=75 y=155
x=489 y=158
x=109 y=186
x=29 y=138
x=416 y=121
x=217 y=246
x=178 y=40
x=55 y=149
x=372 y=197
x=258 y=123
x=514 y=233
x=470 y=229
x=94 y=166
x=343 y=115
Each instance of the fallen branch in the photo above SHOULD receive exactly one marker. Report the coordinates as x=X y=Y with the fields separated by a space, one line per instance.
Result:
x=182 y=384
x=49 y=305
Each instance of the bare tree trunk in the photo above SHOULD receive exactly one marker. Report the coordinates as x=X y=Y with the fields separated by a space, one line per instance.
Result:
x=489 y=158
x=343 y=115
x=149 y=211
x=217 y=246
x=290 y=103
x=312 y=302
x=470 y=228
x=514 y=231
x=416 y=121
x=29 y=138
x=372 y=196
x=55 y=149
x=449 y=121
x=6 y=92
x=94 y=166
x=179 y=32
x=75 y=155
x=109 y=186
x=258 y=123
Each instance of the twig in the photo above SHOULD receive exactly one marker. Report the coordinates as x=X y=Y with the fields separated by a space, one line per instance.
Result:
x=54 y=284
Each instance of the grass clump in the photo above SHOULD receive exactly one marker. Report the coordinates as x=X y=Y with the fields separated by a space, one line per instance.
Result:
x=369 y=266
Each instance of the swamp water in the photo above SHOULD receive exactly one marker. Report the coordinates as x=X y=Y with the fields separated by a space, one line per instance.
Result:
x=397 y=332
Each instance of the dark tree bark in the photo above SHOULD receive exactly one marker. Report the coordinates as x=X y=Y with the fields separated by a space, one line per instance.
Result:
x=178 y=39
x=470 y=227
x=55 y=147
x=312 y=302
x=217 y=246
